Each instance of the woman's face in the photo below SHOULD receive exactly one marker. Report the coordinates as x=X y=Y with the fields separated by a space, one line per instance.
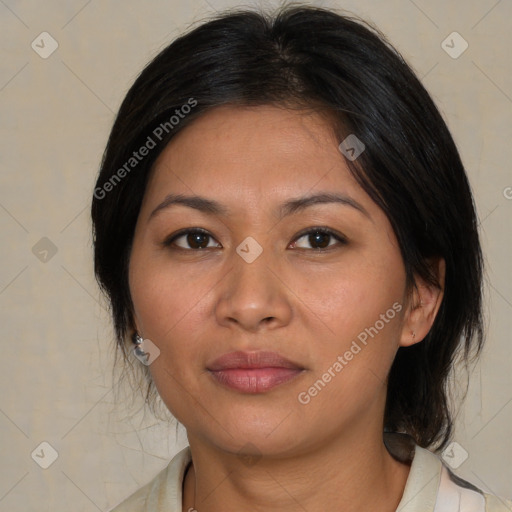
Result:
x=255 y=282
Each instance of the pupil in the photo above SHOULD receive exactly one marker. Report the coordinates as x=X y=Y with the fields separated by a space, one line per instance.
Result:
x=315 y=237
x=194 y=240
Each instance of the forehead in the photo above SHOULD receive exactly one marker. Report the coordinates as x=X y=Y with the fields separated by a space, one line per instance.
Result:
x=258 y=148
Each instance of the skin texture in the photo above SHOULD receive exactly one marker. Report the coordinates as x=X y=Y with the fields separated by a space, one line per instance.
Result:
x=307 y=305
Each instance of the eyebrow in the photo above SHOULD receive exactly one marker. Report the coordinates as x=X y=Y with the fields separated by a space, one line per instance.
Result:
x=211 y=207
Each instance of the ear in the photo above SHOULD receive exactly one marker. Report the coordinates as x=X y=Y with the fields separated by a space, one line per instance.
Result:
x=423 y=306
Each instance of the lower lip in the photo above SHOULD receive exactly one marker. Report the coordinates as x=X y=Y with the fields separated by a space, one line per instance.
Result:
x=254 y=380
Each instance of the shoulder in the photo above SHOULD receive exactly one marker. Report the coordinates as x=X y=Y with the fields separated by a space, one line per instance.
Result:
x=458 y=494
x=433 y=487
x=163 y=492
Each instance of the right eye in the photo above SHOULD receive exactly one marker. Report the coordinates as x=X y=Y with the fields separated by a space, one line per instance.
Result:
x=195 y=239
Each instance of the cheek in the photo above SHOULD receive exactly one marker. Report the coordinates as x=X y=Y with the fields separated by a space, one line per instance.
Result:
x=361 y=304
x=165 y=296
x=169 y=309
x=351 y=364
x=351 y=296
x=172 y=306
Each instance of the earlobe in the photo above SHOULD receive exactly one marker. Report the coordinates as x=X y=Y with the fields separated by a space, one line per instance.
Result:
x=423 y=306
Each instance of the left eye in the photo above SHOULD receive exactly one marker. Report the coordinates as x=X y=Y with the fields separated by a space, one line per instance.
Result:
x=320 y=238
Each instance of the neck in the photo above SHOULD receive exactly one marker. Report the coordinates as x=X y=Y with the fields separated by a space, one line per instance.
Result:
x=356 y=472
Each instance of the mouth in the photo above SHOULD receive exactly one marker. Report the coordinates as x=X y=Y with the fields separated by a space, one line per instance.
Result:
x=253 y=372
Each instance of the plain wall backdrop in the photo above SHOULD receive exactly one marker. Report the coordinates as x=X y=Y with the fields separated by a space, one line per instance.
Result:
x=57 y=348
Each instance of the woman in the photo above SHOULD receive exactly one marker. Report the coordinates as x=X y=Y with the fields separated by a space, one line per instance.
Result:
x=288 y=240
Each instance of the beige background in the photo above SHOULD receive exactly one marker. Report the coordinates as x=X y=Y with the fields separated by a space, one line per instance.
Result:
x=57 y=353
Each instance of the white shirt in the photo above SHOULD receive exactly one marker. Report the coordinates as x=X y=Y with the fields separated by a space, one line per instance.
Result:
x=430 y=486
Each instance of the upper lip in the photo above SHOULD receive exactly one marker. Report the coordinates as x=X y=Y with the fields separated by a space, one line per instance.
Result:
x=262 y=359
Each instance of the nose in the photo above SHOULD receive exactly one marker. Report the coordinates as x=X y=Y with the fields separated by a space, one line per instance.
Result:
x=253 y=296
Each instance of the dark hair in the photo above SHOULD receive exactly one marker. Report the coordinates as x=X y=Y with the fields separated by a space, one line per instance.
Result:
x=306 y=57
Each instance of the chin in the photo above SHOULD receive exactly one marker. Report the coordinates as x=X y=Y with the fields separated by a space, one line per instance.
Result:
x=258 y=438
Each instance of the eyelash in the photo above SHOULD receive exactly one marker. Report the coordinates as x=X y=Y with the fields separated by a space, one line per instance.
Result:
x=168 y=242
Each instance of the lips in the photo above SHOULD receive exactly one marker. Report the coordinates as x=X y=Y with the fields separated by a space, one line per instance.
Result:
x=253 y=372
x=252 y=360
